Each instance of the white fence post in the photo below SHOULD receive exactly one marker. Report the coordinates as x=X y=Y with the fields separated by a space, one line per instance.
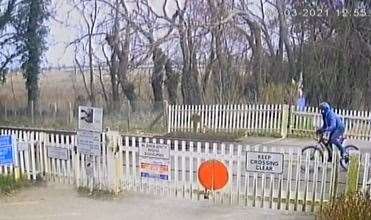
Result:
x=115 y=164
x=285 y=120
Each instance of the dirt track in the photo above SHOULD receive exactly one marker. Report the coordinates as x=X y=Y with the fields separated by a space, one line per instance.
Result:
x=57 y=202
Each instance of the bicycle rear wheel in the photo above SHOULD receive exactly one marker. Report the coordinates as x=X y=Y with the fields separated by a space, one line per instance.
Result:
x=349 y=149
x=312 y=151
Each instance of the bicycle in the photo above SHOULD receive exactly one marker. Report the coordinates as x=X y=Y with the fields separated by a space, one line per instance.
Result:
x=322 y=145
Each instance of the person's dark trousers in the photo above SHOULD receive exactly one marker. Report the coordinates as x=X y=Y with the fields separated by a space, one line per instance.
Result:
x=336 y=139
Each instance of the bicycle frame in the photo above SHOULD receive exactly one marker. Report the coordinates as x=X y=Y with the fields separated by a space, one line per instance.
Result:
x=325 y=146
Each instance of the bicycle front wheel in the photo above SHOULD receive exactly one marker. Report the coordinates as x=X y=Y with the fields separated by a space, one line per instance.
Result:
x=312 y=152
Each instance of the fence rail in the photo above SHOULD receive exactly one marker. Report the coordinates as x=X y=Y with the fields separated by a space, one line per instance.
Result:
x=357 y=123
x=260 y=119
x=263 y=119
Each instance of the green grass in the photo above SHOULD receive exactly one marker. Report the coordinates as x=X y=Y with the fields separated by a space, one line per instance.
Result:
x=348 y=207
x=8 y=185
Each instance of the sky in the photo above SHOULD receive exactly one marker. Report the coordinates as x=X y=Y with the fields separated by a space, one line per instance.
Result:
x=64 y=27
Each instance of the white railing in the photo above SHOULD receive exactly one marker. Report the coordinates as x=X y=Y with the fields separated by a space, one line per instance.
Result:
x=33 y=161
x=262 y=119
x=297 y=188
x=258 y=119
x=357 y=123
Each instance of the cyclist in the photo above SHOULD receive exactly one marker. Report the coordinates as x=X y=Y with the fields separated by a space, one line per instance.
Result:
x=333 y=127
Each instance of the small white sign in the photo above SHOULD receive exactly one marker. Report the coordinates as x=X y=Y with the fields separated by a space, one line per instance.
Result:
x=23 y=146
x=57 y=153
x=160 y=151
x=89 y=142
x=154 y=161
x=264 y=162
x=90 y=119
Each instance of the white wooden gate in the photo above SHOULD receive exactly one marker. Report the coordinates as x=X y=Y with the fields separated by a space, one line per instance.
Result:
x=304 y=185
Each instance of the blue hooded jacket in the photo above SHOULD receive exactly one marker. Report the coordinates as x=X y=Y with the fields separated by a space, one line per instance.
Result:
x=331 y=121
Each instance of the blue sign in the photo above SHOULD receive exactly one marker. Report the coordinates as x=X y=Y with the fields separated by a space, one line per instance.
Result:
x=6 y=150
x=154 y=176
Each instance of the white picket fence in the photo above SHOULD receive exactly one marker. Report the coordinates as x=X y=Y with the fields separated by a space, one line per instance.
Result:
x=264 y=119
x=357 y=123
x=260 y=119
x=117 y=168
x=297 y=188
x=34 y=161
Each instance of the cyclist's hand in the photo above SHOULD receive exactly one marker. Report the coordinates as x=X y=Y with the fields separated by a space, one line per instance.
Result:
x=326 y=136
x=318 y=132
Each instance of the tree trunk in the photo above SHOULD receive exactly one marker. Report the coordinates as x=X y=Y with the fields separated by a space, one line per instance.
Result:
x=114 y=82
x=157 y=78
x=190 y=88
x=91 y=72
x=123 y=55
x=32 y=85
x=171 y=82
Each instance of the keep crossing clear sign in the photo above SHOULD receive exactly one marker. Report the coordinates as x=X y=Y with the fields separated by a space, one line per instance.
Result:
x=264 y=162
x=7 y=150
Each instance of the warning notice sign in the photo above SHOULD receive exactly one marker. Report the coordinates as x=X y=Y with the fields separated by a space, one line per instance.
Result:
x=154 y=161
x=264 y=162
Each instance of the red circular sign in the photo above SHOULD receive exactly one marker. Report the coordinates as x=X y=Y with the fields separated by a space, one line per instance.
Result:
x=213 y=175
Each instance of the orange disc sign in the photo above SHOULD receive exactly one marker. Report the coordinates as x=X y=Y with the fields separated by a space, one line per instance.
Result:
x=213 y=175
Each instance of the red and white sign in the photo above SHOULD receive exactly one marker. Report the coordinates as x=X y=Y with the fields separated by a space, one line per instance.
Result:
x=154 y=160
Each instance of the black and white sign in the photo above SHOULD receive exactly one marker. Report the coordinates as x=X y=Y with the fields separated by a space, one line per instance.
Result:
x=89 y=142
x=57 y=153
x=90 y=124
x=264 y=162
x=90 y=119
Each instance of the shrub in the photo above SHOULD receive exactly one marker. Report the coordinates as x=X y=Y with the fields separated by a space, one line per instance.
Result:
x=348 y=207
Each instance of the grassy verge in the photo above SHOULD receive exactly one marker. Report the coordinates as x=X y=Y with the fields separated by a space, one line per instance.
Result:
x=8 y=185
x=348 y=207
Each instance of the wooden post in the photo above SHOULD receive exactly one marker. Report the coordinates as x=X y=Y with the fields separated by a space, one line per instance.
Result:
x=353 y=173
x=70 y=113
x=128 y=114
x=170 y=121
x=17 y=174
x=55 y=111
x=196 y=119
x=166 y=112
x=115 y=165
x=6 y=112
x=285 y=120
x=32 y=112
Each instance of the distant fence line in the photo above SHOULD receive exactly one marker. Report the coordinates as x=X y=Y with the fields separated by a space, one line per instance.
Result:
x=260 y=119
x=263 y=119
